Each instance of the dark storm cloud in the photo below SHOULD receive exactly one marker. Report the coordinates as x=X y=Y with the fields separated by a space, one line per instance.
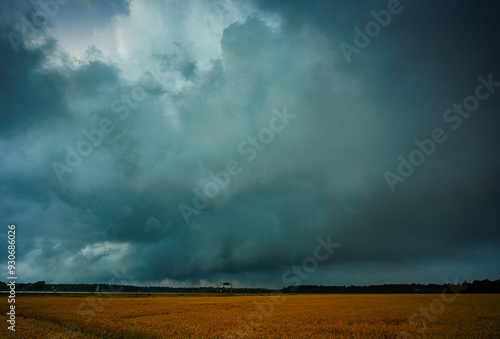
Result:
x=20 y=78
x=322 y=175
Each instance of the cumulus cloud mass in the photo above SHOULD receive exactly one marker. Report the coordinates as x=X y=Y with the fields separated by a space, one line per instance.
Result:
x=197 y=141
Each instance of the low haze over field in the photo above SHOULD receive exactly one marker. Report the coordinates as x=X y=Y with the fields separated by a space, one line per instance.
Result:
x=199 y=141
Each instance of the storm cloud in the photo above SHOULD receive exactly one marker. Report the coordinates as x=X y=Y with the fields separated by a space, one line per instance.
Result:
x=101 y=145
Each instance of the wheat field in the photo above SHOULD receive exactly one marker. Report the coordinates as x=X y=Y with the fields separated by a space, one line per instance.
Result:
x=251 y=316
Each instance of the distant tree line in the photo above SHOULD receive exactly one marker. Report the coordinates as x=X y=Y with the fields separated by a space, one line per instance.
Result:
x=482 y=286
x=103 y=288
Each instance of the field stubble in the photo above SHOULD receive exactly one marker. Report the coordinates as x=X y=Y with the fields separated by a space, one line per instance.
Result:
x=297 y=316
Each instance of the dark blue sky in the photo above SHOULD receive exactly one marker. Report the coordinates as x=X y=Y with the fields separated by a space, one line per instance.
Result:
x=192 y=142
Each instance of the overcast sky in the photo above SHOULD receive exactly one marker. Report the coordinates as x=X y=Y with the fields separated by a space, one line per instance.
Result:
x=315 y=119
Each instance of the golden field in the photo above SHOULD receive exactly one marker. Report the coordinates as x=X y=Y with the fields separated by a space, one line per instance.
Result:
x=250 y=316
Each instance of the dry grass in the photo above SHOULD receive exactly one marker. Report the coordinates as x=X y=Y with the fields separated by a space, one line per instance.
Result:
x=295 y=316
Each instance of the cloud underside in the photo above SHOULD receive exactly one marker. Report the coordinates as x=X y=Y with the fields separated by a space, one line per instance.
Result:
x=169 y=105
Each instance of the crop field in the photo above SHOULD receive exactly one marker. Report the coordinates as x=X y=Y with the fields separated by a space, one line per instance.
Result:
x=251 y=316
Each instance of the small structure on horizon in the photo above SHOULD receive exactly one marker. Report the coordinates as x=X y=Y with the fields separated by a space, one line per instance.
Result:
x=228 y=284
